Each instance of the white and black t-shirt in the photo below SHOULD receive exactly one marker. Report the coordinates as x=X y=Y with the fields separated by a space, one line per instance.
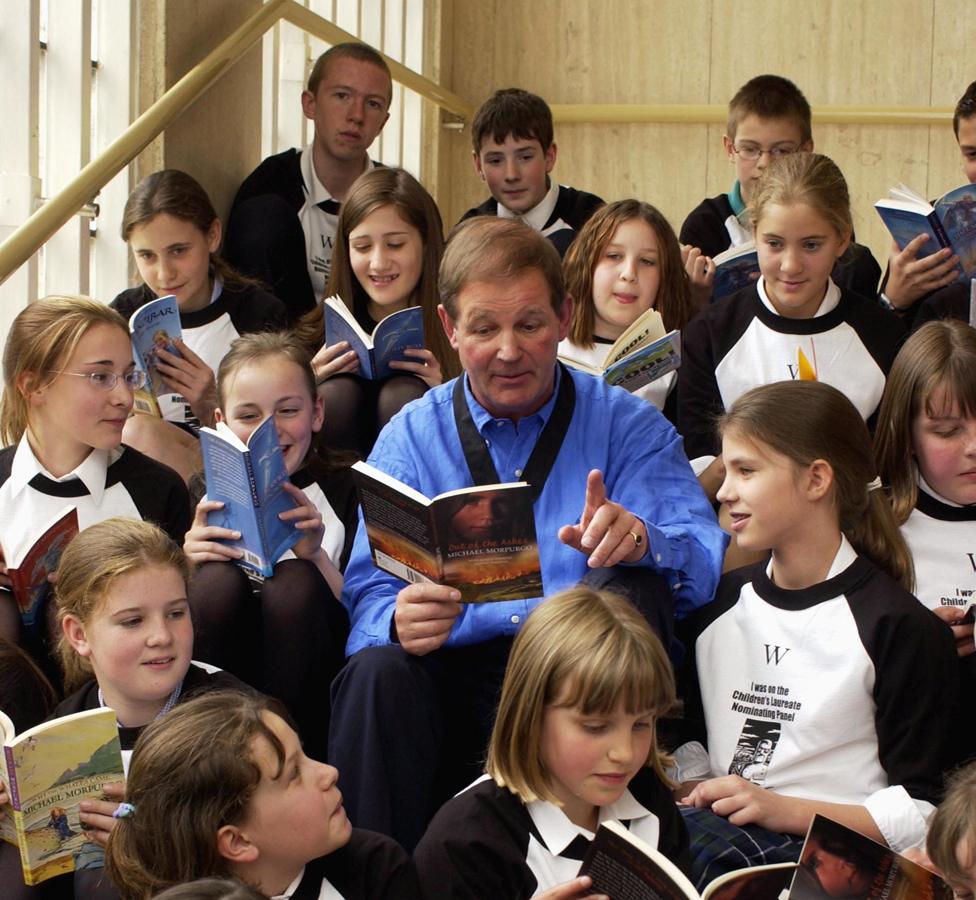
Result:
x=486 y=842
x=740 y=343
x=840 y=692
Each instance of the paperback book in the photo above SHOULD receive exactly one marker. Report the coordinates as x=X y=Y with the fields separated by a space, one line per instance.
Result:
x=735 y=269
x=642 y=354
x=397 y=332
x=153 y=326
x=29 y=567
x=949 y=222
x=480 y=540
x=248 y=478
x=48 y=770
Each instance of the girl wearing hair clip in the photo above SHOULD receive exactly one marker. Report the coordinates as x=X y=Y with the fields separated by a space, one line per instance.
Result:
x=817 y=682
x=126 y=639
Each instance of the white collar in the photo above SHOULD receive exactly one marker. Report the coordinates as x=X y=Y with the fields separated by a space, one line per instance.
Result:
x=288 y=891
x=924 y=485
x=536 y=217
x=316 y=191
x=92 y=472
x=843 y=559
x=558 y=832
x=829 y=303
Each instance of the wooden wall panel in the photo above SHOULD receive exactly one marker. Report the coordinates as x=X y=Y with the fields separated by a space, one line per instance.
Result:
x=701 y=51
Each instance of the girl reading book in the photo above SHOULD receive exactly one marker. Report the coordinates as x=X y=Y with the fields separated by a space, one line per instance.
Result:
x=69 y=378
x=573 y=745
x=625 y=261
x=803 y=681
x=126 y=642
x=173 y=230
x=794 y=322
x=288 y=636
x=242 y=799
x=388 y=248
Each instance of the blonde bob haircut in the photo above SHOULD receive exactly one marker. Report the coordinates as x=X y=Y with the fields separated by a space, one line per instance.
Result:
x=92 y=562
x=934 y=371
x=42 y=338
x=954 y=826
x=582 y=649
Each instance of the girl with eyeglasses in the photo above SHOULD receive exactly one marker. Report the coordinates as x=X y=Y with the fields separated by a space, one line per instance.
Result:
x=69 y=377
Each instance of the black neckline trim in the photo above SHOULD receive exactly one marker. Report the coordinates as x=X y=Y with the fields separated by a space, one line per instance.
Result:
x=936 y=509
x=849 y=580
x=816 y=325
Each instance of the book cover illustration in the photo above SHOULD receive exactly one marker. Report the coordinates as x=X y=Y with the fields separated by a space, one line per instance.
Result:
x=837 y=861
x=155 y=326
x=397 y=332
x=957 y=210
x=49 y=769
x=29 y=573
x=736 y=268
x=647 y=363
x=480 y=540
x=249 y=480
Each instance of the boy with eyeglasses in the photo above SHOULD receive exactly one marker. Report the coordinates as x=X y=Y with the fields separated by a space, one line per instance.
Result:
x=768 y=117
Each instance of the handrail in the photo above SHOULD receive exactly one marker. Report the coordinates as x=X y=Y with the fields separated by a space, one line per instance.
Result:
x=695 y=114
x=46 y=220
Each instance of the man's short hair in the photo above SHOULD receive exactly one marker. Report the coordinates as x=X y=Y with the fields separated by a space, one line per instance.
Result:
x=514 y=112
x=487 y=248
x=349 y=50
x=770 y=97
x=965 y=108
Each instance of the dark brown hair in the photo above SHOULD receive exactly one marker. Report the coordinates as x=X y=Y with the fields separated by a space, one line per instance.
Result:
x=514 y=112
x=673 y=298
x=348 y=50
x=770 y=97
x=965 y=108
x=809 y=420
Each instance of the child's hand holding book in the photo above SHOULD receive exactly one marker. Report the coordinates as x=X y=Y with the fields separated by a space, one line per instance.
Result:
x=99 y=815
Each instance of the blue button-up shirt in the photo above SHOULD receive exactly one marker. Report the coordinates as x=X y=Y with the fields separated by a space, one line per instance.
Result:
x=644 y=469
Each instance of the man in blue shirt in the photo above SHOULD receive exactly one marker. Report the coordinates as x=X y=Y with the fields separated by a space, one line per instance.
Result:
x=616 y=504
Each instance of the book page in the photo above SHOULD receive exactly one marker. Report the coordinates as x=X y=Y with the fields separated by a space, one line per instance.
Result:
x=340 y=325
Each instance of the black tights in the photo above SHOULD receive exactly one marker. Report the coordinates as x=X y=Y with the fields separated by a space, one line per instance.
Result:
x=356 y=409
x=287 y=639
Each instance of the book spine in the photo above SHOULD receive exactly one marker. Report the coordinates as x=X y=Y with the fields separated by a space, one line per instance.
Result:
x=940 y=233
x=8 y=754
x=256 y=501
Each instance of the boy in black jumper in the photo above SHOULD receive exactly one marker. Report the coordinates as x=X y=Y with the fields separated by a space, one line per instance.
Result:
x=513 y=154
x=768 y=118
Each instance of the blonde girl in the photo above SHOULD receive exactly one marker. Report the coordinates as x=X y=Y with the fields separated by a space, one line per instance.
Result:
x=388 y=248
x=288 y=637
x=794 y=322
x=625 y=261
x=174 y=233
x=69 y=378
x=573 y=745
x=805 y=674
x=241 y=799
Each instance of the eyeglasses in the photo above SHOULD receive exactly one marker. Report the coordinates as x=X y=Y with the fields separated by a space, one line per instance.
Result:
x=752 y=152
x=105 y=381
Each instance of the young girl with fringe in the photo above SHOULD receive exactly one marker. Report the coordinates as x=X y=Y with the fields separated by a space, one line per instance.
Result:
x=174 y=232
x=794 y=322
x=573 y=745
x=926 y=451
x=388 y=248
x=804 y=681
x=126 y=642
x=625 y=261
x=69 y=377
x=222 y=787
x=288 y=636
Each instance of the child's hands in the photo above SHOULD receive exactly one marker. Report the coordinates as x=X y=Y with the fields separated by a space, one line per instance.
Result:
x=202 y=542
x=192 y=378
x=571 y=890
x=743 y=803
x=427 y=367
x=910 y=277
x=97 y=814
x=963 y=633
x=701 y=274
x=335 y=360
x=307 y=519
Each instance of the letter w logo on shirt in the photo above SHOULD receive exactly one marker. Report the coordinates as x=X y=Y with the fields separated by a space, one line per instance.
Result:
x=775 y=653
x=972 y=560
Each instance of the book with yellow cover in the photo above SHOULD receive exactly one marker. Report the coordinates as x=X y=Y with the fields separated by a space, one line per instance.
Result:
x=48 y=770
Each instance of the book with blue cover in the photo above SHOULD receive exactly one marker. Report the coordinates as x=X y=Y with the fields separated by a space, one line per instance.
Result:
x=949 y=222
x=397 y=332
x=735 y=269
x=248 y=478
x=154 y=326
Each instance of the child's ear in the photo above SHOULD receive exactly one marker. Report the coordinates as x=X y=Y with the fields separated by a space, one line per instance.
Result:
x=214 y=233
x=318 y=413
x=218 y=415
x=550 y=157
x=27 y=385
x=234 y=846
x=74 y=633
x=819 y=479
x=728 y=143
x=476 y=159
